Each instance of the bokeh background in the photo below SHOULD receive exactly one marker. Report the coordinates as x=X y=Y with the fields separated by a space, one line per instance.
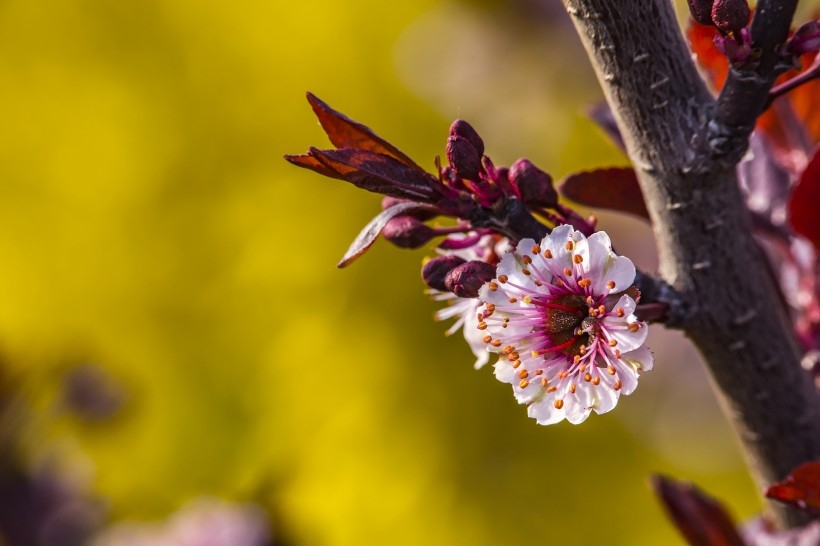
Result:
x=178 y=352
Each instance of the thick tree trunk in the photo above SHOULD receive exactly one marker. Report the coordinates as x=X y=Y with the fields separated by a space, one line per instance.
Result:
x=687 y=174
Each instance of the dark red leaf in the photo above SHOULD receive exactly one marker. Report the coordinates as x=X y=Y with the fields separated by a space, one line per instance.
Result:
x=801 y=488
x=615 y=188
x=702 y=520
x=805 y=202
x=346 y=133
x=310 y=162
x=368 y=235
x=378 y=173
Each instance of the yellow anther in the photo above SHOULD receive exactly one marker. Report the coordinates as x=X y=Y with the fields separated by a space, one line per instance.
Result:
x=496 y=343
x=516 y=364
x=487 y=339
x=578 y=259
x=551 y=388
x=548 y=254
x=502 y=279
x=544 y=382
x=610 y=284
x=523 y=374
x=482 y=325
x=558 y=403
x=527 y=299
x=610 y=369
x=538 y=372
x=620 y=312
x=613 y=342
x=572 y=388
x=634 y=327
x=569 y=245
x=526 y=259
x=567 y=271
x=524 y=384
x=617 y=386
x=587 y=377
x=596 y=380
x=492 y=286
x=512 y=300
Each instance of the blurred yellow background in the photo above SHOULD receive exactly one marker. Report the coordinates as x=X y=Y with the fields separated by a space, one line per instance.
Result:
x=151 y=231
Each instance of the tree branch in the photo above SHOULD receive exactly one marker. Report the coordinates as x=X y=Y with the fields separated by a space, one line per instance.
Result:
x=746 y=93
x=701 y=225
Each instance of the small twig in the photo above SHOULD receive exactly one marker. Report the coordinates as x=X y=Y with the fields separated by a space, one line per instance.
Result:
x=809 y=74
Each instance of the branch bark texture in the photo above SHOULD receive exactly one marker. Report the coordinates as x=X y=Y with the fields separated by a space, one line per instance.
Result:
x=702 y=227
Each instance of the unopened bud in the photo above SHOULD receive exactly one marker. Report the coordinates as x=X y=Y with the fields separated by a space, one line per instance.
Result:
x=730 y=15
x=434 y=271
x=738 y=49
x=464 y=157
x=465 y=130
x=701 y=11
x=805 y=39
x=465 y=280
x=534 y=185
x=407 y=232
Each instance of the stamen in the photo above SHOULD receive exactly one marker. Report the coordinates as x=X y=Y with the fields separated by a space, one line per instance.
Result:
x=572 y=388
x=617 y=386
x=596 y=380
x=512 y=300
x=544 y=382
x=610 y=285
x=610 y=369
x=524 y=384
x=548 y=254
x=551 y=388
x=526 y=271
x=634 y=327
x=492 y=286
x=507 y=349
x=526 y=259
x=578 y=259
x=587 y=377
x=560 y=307
x=527 y=299
x=613 y=342
x=523 y=374
x=558 y=403
x=516 y=364
x=569 y=245
x=620 y=312
x=538 y=372
x=567 y=271
x=535 y=249
x=561 y=347
x=496 y=343
x=487 y=339
x=502 y=279
x=514 y=356
x=482 y=325
x=601 y=310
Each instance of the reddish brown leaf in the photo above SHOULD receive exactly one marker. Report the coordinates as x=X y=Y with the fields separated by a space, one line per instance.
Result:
x=615 y=188
x=702 y=520
x=805 y=202
x=368 y=235
x=378 y=173
x=310 y=162
x=801 y=488
x=346 y=133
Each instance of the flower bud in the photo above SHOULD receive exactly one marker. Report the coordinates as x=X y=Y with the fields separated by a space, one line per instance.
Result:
x=464 y=130
x=534 y=185
x=805 y=39
x=730 y=15
x=701 y=11
x=466 y=279
x=464 y=157
x=407 y=232
x=436 y=269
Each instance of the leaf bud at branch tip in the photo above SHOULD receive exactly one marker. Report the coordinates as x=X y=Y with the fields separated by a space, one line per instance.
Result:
x=434 y=271
x=466 y=279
